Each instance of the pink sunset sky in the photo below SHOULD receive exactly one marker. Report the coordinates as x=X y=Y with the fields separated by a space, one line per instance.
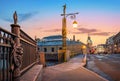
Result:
x=99 y=19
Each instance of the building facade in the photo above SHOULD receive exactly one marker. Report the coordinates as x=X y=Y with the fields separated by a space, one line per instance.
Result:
x=116 y=40
x=113 y=44
x=101 y=49
x=52 y=44
x=110 y=45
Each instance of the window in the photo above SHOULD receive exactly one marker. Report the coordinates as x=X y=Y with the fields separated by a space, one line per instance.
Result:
x=45 y=49
x=38 y=49
x=60 y=48
x=52 y=49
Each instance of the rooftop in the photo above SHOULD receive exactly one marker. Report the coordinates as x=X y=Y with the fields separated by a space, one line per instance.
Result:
x=55 y=40
x=53 y=37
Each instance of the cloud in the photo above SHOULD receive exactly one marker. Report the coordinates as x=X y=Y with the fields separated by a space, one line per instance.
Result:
x=82 y=25
x=101 y=33
x=95 y=33
x=22 y=17
x=53 y=30
x=91 y=32
x=85 y=30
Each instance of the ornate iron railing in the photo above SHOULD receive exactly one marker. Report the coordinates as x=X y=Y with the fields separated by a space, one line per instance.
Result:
x=17 y=52
x=5 y=55
x=29 y=50
x=6 y=59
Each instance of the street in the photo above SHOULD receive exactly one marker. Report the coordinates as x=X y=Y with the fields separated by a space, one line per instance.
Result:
x=107 y=66
x=72 y=70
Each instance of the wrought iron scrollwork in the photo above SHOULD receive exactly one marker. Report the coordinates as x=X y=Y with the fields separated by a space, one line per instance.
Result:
x=16 y=57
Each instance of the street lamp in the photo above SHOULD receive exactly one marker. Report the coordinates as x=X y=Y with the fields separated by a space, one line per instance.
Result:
x=64 y=29
x=84 y=53
x=115 y=48
x=75 y=24
x=84 y=49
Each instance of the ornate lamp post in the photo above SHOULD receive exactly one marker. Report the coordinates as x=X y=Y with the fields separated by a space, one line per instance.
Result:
x=84 y=49
x=85 y=53
x=64 y=29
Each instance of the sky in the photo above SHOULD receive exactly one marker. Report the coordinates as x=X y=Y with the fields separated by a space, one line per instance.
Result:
x=98 y=18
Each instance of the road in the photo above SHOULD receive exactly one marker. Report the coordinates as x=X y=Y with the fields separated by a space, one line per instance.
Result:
x=108 y=66
x=72 y=70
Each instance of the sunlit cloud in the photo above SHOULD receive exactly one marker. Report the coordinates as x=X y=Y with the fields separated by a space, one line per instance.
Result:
x=101 y=33
x=92 y=32
x=86 y=30
x=76 y=32
x=53 y=30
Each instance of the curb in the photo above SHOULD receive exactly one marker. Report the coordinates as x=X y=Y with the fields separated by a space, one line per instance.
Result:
x=33 y=73
x=84 y=63
x=94 y=74
x=39 y=74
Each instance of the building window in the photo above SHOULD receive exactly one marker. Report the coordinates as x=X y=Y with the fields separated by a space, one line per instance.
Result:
x=45 y=49
x=38 y=49
x=60 y=48
x=52 y=50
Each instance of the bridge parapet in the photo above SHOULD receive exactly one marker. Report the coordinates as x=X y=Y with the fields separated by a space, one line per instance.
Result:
x=17 y=53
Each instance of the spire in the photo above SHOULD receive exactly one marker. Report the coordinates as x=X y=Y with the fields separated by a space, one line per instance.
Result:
x=89 y=41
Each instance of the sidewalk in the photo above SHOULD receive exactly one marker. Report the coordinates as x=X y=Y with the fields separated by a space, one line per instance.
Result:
x=33 y=73
x=72 y=70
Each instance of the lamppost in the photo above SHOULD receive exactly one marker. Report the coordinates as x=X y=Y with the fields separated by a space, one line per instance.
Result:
x=64 y=29
x=84 y=49
x=115 y=48
x=84 y=53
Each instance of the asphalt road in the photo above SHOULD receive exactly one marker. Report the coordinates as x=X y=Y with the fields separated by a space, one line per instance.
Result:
x=108 y=66
x=72 y=70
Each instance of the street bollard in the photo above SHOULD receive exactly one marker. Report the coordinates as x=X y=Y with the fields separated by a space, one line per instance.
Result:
x=84 y=59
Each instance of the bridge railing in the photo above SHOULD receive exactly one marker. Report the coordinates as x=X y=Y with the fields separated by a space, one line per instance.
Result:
x=29 y=50
x=9 y=56
x=5 y=54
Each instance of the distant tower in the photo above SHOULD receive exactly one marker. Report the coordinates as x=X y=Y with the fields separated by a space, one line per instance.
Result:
x=35 y=38
x=89 y=44
x=73 y=37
